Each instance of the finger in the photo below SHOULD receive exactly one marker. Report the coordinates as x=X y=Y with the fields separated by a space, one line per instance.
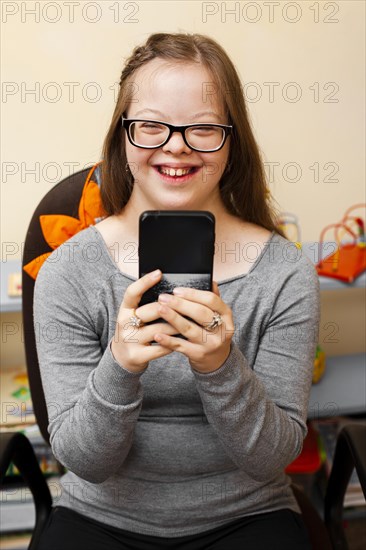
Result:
x=187 y=328
x=215 y=288
x=197 y=312
x=175 y=344
x=205 y=297
x=163 y=328
x=149 y=353
x=135 y=290
x=145 y=335
x=148 y=312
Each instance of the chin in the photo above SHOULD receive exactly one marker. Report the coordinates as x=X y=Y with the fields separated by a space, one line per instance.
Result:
x=180 y=205
x=175 y=203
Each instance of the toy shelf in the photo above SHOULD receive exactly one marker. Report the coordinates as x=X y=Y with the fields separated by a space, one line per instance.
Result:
x=8 y=303
x=341 y=390
x=326 y=283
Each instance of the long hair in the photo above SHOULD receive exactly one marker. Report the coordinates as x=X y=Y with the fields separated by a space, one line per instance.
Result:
x=243 y=186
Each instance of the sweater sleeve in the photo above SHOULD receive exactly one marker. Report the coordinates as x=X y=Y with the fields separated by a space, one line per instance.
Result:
x=93 y=403
x=259 y=412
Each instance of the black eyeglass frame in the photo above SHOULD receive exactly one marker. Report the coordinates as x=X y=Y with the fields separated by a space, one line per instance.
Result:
x=126 y=123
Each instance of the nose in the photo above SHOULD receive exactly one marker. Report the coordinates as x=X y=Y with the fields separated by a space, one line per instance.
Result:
x=176 y=144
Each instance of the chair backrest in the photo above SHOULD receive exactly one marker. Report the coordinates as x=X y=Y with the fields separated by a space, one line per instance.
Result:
x=62 y=204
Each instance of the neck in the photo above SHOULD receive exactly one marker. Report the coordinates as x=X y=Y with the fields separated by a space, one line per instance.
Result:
x=131 y=212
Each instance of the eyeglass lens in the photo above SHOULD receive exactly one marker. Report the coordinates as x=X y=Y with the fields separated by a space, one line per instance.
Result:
x=151 y=134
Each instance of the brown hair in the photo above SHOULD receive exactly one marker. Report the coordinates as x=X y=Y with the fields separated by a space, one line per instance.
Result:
x=243 y=185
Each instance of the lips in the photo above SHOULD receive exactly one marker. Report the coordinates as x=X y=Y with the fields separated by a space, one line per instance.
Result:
x=175 y=171
x=176 y=175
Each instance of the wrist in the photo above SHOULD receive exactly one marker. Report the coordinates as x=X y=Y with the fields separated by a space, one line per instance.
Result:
x=122 y=364
x=213 y=366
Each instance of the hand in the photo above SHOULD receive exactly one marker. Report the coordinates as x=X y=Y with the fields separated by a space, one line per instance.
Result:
x=206 y=351
x=131 y=346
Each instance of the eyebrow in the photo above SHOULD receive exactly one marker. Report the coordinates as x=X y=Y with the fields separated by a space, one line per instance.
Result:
x=194 y=117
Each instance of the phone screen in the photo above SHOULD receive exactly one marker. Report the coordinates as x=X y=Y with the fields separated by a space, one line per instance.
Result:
x=181 y=244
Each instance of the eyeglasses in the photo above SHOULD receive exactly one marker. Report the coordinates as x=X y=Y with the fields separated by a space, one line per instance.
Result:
x=152 y=134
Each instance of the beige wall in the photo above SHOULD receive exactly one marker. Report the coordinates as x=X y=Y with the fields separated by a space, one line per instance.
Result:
x=318 y=59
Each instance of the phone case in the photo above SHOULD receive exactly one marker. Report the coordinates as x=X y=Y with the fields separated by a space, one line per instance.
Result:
x=181 y=244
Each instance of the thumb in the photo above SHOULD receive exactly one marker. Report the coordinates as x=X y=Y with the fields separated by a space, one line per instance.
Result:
x=215 y=288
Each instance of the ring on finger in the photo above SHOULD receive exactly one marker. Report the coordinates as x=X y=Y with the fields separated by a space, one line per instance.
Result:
x=216 y=322
x=135 y=320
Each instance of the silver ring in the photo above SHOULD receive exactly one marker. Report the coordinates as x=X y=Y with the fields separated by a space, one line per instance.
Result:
x=216 y=322
x=136 y=321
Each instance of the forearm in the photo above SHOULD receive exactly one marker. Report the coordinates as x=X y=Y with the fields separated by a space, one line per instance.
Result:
x=257 y=434
x=92 y=436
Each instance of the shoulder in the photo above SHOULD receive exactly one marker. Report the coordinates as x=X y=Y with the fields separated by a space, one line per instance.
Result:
x=81 y=258
x=284 y=267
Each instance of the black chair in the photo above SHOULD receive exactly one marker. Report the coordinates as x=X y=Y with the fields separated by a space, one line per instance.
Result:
x=67 y=198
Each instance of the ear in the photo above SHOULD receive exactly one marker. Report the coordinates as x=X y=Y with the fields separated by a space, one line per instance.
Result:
x=215 y=288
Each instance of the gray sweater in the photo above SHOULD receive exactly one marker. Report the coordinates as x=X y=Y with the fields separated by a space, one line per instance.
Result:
x=170 y=451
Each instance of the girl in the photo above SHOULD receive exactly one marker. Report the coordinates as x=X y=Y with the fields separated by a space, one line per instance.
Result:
x=181 y=444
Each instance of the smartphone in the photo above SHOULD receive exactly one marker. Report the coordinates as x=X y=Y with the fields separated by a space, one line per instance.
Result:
x=181 y=244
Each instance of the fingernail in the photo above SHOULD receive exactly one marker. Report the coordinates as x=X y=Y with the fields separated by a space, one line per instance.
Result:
x=164 y=298
x=179 y=291
x=155 y=274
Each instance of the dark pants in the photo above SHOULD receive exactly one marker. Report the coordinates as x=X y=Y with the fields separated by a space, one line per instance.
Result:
x=281 y=530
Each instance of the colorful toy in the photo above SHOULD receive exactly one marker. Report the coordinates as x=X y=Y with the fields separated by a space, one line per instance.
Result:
x=319 y=364
x=289 y=224
x=309 y=461
x=349 y=259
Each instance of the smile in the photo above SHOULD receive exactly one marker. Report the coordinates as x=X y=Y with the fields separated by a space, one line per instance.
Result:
x=176 y=172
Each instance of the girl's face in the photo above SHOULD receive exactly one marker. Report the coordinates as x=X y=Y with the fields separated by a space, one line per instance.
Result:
x=177 y=94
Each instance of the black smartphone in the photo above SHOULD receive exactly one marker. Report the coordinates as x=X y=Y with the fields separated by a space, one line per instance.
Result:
x=181 y=244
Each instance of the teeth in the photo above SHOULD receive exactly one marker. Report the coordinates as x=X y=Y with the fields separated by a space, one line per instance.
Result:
x=173 y=172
